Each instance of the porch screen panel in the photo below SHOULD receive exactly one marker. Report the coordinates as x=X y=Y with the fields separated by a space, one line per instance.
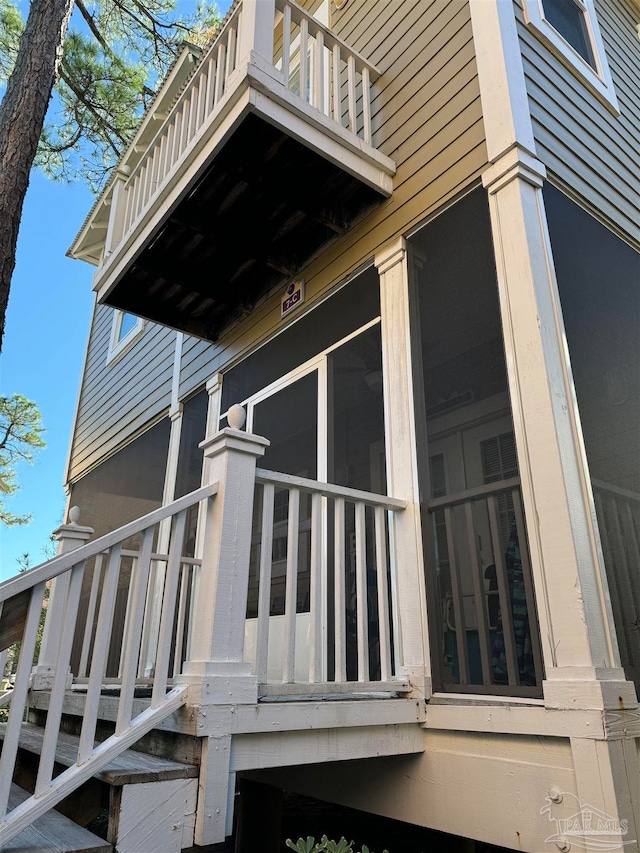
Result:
x=599 y=284
x=482 y=614
x=352 y=306
x=122 y=488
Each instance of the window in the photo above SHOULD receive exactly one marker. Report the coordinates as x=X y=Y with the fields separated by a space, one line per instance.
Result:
x=125 y=330
x=570 y=28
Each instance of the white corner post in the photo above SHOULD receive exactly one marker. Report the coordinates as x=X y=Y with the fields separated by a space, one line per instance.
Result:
x=401 y=462
x=582 y=666
x=115 y=228
x=216 y=671
x=255 y=35
x=69 y=537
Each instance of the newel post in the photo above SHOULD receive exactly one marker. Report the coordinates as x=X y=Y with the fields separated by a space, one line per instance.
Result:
x=69 y=537
x=215 y=670
x=256 y=30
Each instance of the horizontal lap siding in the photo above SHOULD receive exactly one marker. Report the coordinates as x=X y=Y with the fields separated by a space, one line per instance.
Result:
x=586 y=148
x=425 y=114
x=118 y=401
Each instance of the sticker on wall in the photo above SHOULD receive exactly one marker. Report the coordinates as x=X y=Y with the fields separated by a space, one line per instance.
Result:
x=292 y=298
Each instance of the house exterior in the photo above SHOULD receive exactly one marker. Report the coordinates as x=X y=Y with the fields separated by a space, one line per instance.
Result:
x=367 y=325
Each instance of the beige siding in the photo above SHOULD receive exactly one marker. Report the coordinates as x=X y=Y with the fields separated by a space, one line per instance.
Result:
x=117 y=401
x=426 y=115
x=585 y=147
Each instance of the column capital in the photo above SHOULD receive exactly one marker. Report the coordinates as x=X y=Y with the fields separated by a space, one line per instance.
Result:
x=517 y=162
x=213 y=383
x=175 y=412
x=390 y=255
x=234 y=439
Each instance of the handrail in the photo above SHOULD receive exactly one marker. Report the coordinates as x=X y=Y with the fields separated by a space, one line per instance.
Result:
x=602 y=486
x=58 y=565
x=330 y=38
x=329 y=490
x=476 y=493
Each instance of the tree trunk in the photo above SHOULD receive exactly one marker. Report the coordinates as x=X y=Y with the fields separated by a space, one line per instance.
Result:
x=22 y=113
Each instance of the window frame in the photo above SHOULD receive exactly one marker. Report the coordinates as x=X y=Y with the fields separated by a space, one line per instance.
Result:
x=119 y=346
x=597 y=79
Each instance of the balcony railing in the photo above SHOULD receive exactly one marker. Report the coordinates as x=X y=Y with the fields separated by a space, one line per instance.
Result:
x=489 y=628
x=310 y=64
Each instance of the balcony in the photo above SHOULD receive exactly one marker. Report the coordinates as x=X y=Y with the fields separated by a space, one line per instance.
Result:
x=263 y=157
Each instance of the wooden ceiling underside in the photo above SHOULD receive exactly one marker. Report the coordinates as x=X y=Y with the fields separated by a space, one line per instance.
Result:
x=258 y=213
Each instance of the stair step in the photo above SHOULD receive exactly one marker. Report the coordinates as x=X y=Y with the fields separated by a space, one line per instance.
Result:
x=52 y=833
x=130 y=767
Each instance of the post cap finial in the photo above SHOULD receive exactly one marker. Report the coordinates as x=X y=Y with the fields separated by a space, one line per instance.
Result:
x=74 y=515
x=236 y=416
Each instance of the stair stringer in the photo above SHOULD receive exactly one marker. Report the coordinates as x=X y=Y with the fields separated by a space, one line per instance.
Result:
x=71 y=779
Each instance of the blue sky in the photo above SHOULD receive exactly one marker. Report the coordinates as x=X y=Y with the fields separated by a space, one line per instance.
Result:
x=45 y=337
x=46 y=332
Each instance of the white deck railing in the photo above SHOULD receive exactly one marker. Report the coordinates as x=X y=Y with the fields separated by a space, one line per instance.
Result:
x=68 y=571
x=498 y=616
x=307 y=60
x=361 y=609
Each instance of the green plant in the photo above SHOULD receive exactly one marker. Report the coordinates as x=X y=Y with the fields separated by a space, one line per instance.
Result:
x=325 y=846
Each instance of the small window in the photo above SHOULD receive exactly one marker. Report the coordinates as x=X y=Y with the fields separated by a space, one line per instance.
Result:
x=570 y=28
x=125 y=330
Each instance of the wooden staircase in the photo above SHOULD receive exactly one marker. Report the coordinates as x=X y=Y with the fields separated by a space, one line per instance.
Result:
x=52 y=833
x=151 y=801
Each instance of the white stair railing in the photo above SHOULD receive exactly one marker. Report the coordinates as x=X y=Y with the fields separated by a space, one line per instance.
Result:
x=23 y=595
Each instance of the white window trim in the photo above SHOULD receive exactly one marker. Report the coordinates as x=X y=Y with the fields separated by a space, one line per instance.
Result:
x=598 y=80
x=117 y=348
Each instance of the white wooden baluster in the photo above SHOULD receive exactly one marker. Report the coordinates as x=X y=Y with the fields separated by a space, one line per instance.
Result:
x=186 y=120
x=383 y=594
x=231 y=52
x=264 y=590
x=127 y=612
x=318 y=72
x=339 y=594
x=56 y=697
x=210 y=90
x=181 y=623
x=351 y=84
x=177 y=134
x=337 y=100
x=304 y=58
x=193 y=98
x=168 y=610
x=202 y=95
x=3 y=656
x=100 y=652
x=506 y=607
x=19 y=695
x=291 y=595
x=362 y=617
x=133 y=631
x=458 y=601
x=91 y=612
x=220 y=72
x=478 y=591
x=286 y=44
x=315 y=593
x=366 y=105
